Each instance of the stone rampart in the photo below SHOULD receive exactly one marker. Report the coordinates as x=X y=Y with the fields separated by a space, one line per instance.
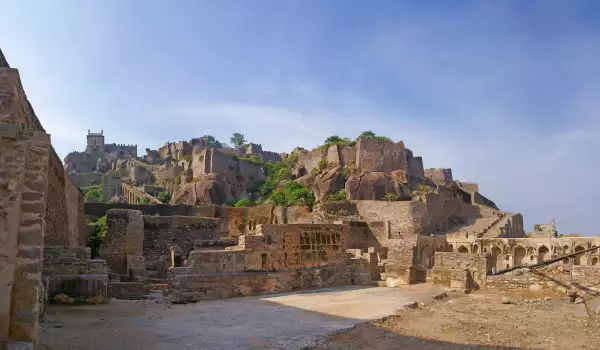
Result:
x=380 y=155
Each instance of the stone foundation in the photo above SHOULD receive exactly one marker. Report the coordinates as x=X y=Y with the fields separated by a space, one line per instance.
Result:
x=127 y=290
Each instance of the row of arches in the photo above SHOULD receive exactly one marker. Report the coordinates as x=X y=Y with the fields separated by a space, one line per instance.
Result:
x=521 y=255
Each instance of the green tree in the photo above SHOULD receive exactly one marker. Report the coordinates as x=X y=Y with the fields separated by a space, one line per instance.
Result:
x=333 y=140
x=97 y=237
x=237 y=140
x=193 y=141
x=210 y=141
x=144 y=200
x=368 y=133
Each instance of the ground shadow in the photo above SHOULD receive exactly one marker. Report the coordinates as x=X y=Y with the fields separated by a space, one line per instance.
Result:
x=261 y=322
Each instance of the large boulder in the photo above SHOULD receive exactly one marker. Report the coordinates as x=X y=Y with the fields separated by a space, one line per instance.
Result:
x=328 y=182
x=216 y=188
x=375 y=185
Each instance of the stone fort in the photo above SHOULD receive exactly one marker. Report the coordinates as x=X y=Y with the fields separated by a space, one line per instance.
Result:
x=440 y=230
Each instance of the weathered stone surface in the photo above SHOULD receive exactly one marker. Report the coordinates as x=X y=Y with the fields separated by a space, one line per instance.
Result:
x=328 y=182
x=374 y=186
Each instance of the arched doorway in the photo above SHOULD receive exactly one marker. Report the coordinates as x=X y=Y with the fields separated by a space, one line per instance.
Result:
x=543 y=254
x=497 y=257
x=594 y=261
x=463 y=249
x=475 y=249
x=579 y=258
x=519 y=256
x=450 y=248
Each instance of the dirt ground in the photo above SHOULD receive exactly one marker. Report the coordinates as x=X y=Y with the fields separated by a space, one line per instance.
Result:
x=279 y=321
x=478 y=321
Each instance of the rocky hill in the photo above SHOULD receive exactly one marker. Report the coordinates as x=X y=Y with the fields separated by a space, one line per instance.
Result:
x=204 y=170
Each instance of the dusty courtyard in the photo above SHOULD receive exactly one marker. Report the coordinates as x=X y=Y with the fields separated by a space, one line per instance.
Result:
x=284 y=321
x=336 y=318
x=479 y=321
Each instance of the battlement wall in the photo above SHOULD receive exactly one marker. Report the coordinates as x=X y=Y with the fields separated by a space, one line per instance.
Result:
x=380 y=155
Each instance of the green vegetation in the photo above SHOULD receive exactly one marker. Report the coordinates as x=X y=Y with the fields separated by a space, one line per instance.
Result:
x=210 y=141
x=244 y=202
x=145 y=200
x=336 y=140
x=237 y=140
x=391 y=197
x=187 y=157
x=97 y=237
x=252 y=159
x=338 y=196
x=93 y=193
x=177 y=179
x=322 y=164
x=293 y=193
x=193 y=141
x=422 y=191
x=163 y=197
x=369 y=133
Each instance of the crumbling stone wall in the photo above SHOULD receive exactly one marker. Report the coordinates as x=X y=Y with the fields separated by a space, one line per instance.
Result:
x=365 y=234
x=161 y=232
x=71 y=272
x=124 y=236
x=274 y=259
x=586 y=279
x=461 y=270
x=309 y=160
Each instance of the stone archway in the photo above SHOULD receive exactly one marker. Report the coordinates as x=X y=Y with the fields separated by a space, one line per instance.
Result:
x=463 y=249
x=519 y=255
x=450 y=248
x=594 y=261
x=543 y=254
x=475 y=248
x=497 y=257
x=579 y=259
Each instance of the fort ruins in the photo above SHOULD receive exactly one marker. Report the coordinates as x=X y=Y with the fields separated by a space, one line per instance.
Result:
x=399 y=224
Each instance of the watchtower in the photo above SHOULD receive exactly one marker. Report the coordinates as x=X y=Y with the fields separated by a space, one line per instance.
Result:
x=95 y=142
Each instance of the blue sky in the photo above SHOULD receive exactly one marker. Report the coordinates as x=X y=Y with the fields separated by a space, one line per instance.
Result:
x=503 y=92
